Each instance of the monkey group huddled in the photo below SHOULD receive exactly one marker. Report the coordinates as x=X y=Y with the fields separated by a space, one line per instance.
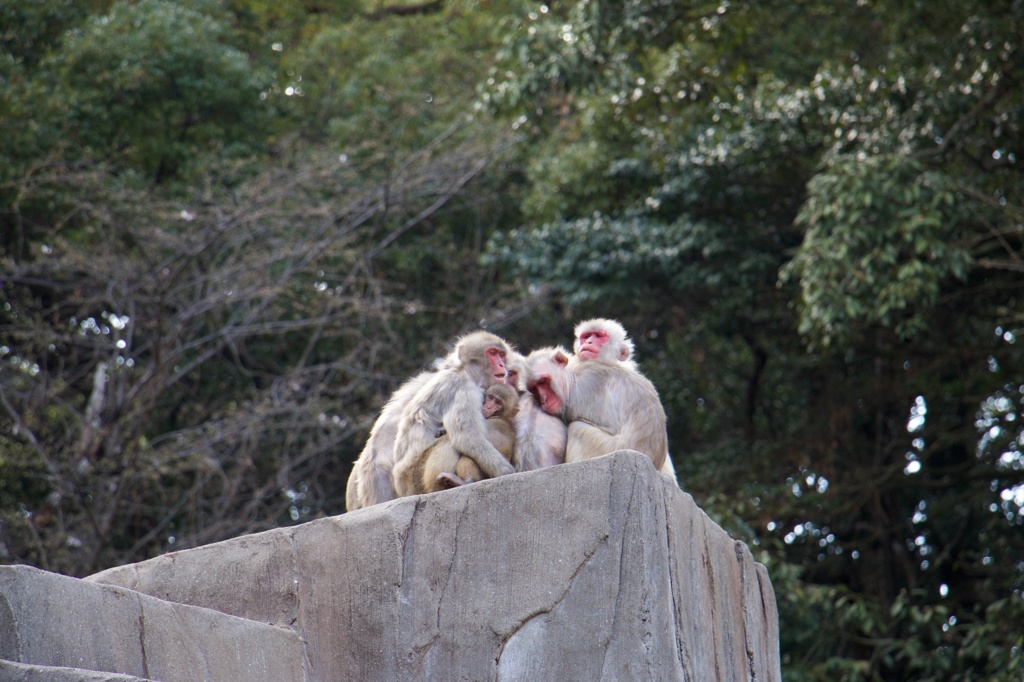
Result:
x=486 y=411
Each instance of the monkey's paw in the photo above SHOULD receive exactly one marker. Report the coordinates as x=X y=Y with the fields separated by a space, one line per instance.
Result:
x=450 y=480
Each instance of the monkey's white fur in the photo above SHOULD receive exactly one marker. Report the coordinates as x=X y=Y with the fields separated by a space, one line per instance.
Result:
x=370 y=482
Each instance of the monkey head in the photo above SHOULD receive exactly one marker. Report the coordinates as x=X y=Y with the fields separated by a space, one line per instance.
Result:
x=548 y=378
x=483 y=355
x=501 y=401
x=602 y=339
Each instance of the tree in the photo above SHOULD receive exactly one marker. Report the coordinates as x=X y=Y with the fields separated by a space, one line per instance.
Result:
x=156 y=83
x=822 y=247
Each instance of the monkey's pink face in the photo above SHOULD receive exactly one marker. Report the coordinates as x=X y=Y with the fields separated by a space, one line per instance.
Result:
x=496 y=356
x=591 y=342
x=546 y=396
x=512 y=378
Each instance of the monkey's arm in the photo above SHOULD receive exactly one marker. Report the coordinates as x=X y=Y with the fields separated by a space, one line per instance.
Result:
x=586 y=440
x=615 y=408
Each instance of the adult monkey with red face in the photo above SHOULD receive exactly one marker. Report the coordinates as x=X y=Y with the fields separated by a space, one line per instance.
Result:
x=449 y=403
x=604 y=340
x=540 y=437
x=608 y=404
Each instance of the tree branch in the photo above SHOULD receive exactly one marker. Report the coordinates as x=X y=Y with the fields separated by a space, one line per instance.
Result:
x=431 y=7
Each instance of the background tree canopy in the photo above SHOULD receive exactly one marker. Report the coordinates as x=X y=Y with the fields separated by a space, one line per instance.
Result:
x=228 y=230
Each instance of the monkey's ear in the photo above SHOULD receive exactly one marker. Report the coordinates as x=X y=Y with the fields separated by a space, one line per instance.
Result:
x=560 y=358
x=625 y=350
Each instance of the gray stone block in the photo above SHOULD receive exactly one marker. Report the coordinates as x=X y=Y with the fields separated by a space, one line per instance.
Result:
x=48 y=619
x=19 y=672
x=598 y=570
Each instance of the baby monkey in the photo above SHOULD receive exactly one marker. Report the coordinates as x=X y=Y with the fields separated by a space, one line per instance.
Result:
x=441 y=466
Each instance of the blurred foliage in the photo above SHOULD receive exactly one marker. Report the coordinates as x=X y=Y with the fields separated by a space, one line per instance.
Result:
x=228 y=230
x=29 y=28
x=153 y=82
x=882 y=235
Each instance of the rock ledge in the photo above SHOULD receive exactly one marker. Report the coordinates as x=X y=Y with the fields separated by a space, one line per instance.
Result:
x=599 y=570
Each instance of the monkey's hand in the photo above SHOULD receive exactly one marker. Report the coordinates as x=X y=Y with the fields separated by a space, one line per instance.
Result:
x=490 y=461
x=493 y=466
x=450 y=480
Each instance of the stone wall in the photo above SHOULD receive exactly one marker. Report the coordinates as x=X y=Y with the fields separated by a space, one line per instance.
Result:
x=600 y=570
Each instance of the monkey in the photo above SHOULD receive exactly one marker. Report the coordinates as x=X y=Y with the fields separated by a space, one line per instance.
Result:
x=606 y=340
x=450 y=402
x=441 y=466
x=501 y=402
x=607 y=403
x=371 y=479
x=540 y=437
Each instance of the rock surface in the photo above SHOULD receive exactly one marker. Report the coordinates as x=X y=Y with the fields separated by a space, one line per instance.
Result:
x=599 y=570
x=18 y=672
x=49 y=622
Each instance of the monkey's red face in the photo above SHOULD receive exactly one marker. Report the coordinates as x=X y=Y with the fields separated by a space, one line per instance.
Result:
x=496 y=356
x=591 y=342
x=547 y=370
x=546 y=396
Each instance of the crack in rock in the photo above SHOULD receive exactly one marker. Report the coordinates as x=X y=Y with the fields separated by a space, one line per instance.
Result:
x=541 y=612
x=294 y=624
x=588 y=556
x=405 y=540
x=142 y=636
x=623 y=549
x=738 y=547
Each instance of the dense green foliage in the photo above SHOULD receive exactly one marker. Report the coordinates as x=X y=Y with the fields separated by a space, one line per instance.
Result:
x=229 y=229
